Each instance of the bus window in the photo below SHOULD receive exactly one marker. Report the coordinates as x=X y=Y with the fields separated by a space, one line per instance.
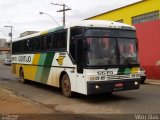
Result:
x=74 y=32
x=21 y=46
x=60 y=40
x=35 y=44
x=49 y=42
x=28 y=45
x=43 y=43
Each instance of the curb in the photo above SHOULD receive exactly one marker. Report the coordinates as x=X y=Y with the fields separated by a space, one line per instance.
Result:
x=153 y=82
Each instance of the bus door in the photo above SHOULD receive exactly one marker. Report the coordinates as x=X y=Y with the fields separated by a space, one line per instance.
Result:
x=80 y=58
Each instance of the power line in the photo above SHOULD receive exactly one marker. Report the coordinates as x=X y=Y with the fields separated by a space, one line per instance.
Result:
x=65 y=8
x=4 y=33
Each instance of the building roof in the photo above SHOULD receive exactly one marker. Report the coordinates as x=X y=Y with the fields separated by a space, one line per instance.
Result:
x=115 y=9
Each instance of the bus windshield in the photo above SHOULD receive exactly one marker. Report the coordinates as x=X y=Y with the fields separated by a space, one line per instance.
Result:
x=111 y=47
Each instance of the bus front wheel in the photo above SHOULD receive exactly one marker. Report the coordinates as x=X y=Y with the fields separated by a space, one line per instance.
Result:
x=21 y=73
x=66 y=86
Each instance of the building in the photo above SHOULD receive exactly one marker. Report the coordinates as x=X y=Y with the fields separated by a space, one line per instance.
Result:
x=4 y=49
x=145 y=16
x=2 y=42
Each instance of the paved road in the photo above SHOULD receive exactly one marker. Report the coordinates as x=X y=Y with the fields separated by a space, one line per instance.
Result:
x=144 y=100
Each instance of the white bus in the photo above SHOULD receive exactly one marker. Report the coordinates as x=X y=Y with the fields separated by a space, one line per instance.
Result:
x=87 y=57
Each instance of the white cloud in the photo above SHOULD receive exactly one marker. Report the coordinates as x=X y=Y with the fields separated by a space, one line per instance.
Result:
x=24 y=14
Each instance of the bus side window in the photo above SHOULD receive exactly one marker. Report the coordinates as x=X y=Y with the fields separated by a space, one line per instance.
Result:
x=28 y=45
x=74 y=31
x=25 y=45
x=22 y=46
x=43 y=43
x=63 y=40
x=49 y=42
x=55 y=38
x=60 y=40
x=37 y=43
x=33 y=44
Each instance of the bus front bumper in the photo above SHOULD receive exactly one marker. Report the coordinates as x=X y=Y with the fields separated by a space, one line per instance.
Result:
x=94 y=87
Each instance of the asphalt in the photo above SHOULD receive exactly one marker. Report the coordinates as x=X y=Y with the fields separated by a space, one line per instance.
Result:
x=144 y=100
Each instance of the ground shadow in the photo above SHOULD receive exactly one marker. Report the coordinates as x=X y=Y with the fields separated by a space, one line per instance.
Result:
x=95 y=98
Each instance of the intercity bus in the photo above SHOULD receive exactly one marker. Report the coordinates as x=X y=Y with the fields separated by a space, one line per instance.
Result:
x=87 y=57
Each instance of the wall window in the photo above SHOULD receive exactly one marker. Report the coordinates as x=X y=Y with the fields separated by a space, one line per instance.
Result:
x=146 y=17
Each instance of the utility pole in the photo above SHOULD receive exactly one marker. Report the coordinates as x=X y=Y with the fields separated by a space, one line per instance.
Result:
x=65 y=8
x=10 y=35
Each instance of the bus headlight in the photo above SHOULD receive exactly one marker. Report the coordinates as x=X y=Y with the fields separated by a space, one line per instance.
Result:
x=97 y=78
x=97 y=86
x=136 y=83
x=94 y=78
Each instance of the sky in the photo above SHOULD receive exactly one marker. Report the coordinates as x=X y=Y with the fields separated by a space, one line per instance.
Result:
x=24 y=15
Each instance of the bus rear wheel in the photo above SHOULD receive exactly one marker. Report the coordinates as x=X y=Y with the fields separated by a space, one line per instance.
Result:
x=21 y=73
x=66 y=86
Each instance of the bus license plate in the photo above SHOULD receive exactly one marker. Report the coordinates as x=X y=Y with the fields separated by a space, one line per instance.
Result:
x=118 y=86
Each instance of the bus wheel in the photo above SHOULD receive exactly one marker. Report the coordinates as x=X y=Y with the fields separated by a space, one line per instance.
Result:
x=66 y=86
x=21 y=73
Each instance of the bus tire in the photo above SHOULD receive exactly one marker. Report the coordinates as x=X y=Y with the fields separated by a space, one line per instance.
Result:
x=21 y=75
x=66 y=86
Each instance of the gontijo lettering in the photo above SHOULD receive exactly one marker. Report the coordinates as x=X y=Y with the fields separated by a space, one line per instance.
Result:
x=24 y=58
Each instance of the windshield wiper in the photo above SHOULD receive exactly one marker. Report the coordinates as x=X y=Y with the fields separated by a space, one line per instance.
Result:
x=125 y=59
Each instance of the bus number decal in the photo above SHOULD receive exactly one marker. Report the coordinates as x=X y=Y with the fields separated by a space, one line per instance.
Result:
x=105 y=72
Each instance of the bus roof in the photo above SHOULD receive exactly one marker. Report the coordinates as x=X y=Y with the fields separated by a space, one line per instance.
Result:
x=101 y=23
x=84 y=23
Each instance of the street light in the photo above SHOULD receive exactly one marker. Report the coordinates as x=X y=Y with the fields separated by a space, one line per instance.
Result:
x=10 y=35
x=42 y=13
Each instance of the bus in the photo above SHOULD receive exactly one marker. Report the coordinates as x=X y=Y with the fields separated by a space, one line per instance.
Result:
x=86 y=57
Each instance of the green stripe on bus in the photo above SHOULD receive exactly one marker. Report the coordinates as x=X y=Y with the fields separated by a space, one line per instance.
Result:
x=49 y=59
x=40 y=68
x=42 y=59
x=47 y=68
x=45 y=74
x=123 y=71
x=39 y=73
